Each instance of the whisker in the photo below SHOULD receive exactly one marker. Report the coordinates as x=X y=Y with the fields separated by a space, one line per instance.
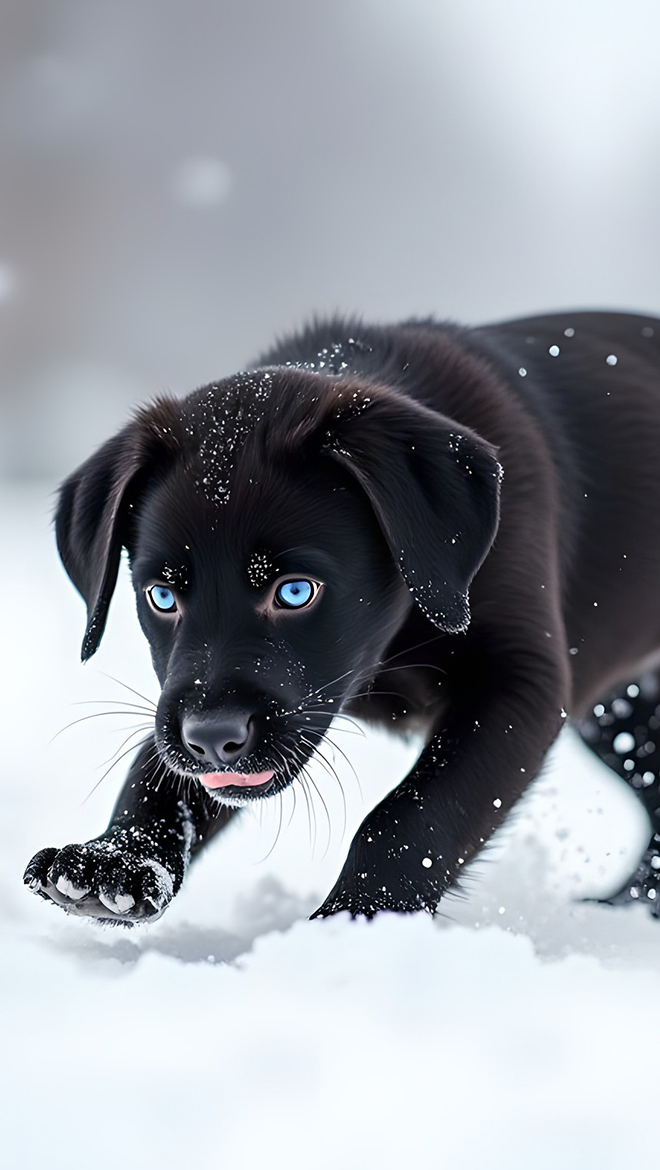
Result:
x=115 y=702
x=325 y=686
x=342 y=753
x=409 y=649
x=413 y=666
x=135 y=731
x=331 y=772
x=162 y=769
x=301 y=779
x=334 y=747
x=368 y=694
x=303 y=772
x=346 y=730
x=313 y=808
x=279 y=828
x=325 y=808
x=126 y=686
x=369 y=671
x=109 y=770
x=292 y=790
x=84 y=718
x=343 y=795
x=334 y=715
x=119 y=730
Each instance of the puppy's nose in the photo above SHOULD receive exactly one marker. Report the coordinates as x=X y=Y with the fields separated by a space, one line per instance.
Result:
x=219 y=739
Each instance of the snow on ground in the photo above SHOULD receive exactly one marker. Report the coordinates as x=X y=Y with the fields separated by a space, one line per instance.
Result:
x=519 y=1030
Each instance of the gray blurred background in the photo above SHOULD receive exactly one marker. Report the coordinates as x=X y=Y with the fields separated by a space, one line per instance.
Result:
x=182 y=181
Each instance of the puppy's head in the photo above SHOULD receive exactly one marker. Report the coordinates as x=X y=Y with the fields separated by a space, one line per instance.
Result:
x=280 y=527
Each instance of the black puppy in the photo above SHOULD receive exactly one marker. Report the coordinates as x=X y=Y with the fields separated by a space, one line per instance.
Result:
x=423 y=523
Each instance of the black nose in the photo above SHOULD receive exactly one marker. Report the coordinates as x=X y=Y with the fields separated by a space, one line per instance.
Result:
x=219 y=739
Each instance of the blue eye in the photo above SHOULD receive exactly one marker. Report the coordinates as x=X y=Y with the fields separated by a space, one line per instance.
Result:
x=295 y=594
x=162 y=599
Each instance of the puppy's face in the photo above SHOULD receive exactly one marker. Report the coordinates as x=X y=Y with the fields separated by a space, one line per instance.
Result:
x=264 y=615
x=280 y=526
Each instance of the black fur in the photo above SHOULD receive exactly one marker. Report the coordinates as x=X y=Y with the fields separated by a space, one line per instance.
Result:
x=484 y=610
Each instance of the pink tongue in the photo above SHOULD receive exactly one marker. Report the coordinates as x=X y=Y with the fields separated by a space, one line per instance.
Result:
x=235 y=779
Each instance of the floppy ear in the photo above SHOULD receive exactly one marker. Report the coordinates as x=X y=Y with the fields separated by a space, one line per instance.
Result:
x=92 y=515
x=434 y=487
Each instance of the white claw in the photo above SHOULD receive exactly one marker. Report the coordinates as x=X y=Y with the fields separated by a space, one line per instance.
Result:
x=118 y=904
x=69 y=890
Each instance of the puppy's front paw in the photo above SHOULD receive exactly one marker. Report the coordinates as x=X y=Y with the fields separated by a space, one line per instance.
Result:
x=102 y=879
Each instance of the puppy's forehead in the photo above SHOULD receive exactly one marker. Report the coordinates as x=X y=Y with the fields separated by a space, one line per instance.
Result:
x=270 y=507
x=262 y=415
x=241 y=480
x=220 y=419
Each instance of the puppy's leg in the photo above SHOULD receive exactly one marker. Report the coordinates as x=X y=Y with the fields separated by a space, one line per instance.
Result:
x=623 y=729
x=132 y=871
x=414 y=845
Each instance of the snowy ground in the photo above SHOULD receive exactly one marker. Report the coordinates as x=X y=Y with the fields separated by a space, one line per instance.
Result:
x=520 y=1030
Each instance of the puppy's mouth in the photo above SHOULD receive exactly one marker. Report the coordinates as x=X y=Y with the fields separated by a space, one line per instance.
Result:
x=260 y=781
x=264 y=773
x=240 y=788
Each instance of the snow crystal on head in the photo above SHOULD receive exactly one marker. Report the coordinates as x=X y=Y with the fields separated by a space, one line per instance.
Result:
x=260 y=569
x=329 y=360
x=223 y=419
x=334 y=359
x=177 y=576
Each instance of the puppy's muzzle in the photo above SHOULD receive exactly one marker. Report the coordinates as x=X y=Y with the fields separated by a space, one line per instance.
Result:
x=221 y=739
